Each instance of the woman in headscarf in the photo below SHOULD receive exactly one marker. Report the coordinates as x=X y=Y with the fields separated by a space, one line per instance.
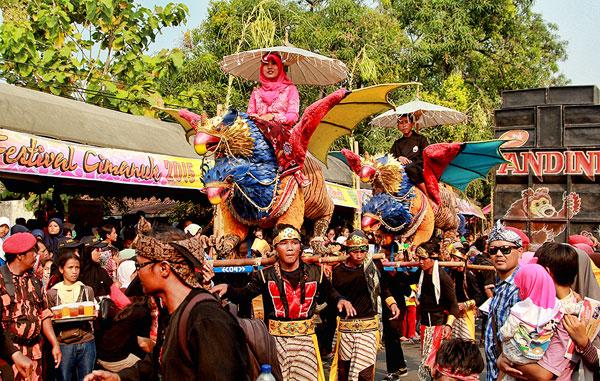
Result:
x=276 y=99
x=274 y=107
x=54 y=236
x=92 y=274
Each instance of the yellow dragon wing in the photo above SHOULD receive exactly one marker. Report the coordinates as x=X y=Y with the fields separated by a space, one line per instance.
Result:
x=343 y=118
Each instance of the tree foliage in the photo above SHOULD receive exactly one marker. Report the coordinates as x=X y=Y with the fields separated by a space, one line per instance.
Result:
x=96 y=50
x=464 y=52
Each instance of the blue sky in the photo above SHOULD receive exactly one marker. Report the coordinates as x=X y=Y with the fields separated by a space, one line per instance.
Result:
x=577 y=22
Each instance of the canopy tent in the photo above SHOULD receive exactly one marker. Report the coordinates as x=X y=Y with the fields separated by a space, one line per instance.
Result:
x=39 y=132
x=47 y=115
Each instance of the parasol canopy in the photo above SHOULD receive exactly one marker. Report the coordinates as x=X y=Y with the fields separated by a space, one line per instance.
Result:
x=303 y=67
x=428 y=115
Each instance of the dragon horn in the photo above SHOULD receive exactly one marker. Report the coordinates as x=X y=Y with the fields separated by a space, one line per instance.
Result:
x=191 y=118
x=354 y=161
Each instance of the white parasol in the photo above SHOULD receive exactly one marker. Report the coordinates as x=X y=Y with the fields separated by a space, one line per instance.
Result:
x=427 y=115
x=304 y=67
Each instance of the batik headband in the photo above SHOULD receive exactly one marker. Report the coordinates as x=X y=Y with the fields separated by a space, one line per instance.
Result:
x=287 y=233
x=422 y=253
x=457 y=376
x=500 y=233
x=182 y=256
x=357 y=241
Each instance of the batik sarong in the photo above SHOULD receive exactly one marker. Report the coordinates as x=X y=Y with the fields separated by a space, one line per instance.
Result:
x=431 y=339
x=297 y=350
x=355 y=350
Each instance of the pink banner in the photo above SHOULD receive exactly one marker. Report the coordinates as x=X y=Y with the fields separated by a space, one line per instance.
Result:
x=32 y=155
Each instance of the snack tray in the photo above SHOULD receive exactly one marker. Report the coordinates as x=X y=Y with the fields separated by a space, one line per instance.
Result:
x=72 y=319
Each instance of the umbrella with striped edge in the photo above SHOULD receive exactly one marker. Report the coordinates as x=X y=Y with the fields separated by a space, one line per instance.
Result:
x=303 y=67
x=426 y=115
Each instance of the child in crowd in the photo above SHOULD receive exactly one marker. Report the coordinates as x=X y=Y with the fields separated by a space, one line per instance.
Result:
x=527 y=332
x=458 y=359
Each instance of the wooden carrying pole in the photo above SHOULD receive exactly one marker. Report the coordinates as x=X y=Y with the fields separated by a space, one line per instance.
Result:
x=340 y=258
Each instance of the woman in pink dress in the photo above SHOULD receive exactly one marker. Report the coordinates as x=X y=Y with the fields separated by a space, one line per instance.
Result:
x=276 y=99
x=274 y=107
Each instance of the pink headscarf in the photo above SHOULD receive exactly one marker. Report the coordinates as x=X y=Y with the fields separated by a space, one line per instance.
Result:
x=270 y=88
x=535 y=283
x=585 y=247
x=527 y=258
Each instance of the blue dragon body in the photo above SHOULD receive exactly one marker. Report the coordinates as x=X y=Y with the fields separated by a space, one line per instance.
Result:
x=393 y=209
x=254 y=178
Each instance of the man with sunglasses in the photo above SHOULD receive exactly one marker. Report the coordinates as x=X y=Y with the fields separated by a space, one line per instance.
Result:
x=505 y=247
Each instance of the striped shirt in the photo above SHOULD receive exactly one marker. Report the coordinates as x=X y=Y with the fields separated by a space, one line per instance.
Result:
x=505 y=296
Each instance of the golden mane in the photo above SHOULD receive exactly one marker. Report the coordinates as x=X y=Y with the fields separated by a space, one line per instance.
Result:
x=234 y=140
x=389 y=175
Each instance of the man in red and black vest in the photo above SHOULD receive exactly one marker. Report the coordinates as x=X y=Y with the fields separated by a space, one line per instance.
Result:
x=289 y=289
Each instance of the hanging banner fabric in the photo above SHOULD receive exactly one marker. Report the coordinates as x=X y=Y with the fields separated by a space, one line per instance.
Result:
x=31 y=155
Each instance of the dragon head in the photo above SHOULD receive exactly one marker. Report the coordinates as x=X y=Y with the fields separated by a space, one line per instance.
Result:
x=217 y=192
x=219 y=181
x=384 y=172
x=246 y=186
x=386 y=212
x=228 y=135
x=370 y=222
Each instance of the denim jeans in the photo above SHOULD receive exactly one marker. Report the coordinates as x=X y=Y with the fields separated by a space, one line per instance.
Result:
x=77 y=359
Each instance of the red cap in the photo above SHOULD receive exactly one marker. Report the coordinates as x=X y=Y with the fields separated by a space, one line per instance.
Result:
x=19 y=243
x=578 y=238
x=524 y=239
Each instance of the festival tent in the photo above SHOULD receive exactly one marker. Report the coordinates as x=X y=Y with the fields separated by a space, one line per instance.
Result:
x=46 y=140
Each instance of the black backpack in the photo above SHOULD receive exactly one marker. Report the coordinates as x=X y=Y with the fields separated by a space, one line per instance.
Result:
x=260 y=343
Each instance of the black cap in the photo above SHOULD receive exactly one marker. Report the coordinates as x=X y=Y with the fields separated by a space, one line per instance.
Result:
x=69 y=243
x=94 y=242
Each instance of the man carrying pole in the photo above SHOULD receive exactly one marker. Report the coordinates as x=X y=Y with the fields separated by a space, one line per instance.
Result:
x=436 y=295
x=468 y=294
x=289 y=289
x=359 y=279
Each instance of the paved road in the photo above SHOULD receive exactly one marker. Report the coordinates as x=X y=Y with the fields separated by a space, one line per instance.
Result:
x=411 y=355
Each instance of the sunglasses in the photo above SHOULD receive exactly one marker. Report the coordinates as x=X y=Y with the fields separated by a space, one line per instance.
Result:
x=505 y=250
x=139 y=266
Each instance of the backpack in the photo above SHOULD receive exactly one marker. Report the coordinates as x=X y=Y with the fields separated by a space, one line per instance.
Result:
x=260 y=343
